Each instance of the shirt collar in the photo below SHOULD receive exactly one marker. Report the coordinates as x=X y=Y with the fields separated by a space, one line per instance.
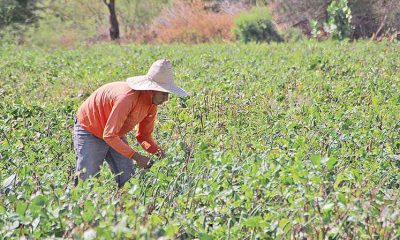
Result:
x=148 y=96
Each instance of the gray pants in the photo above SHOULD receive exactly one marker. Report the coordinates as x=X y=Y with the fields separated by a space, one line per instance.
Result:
x=91 y=151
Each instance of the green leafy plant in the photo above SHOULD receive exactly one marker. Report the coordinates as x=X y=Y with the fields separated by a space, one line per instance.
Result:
x=339 y=23
x=256 y=25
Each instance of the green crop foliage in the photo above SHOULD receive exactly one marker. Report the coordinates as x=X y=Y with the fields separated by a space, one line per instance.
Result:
x=276 y=141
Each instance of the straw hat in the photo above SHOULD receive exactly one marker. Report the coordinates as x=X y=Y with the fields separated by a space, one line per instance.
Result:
x=160 y=77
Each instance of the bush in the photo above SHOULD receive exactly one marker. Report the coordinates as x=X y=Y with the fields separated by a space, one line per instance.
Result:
x=292 y=35
x=256 y=25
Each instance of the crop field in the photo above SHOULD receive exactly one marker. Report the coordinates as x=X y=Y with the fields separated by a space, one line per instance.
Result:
x=276 y=141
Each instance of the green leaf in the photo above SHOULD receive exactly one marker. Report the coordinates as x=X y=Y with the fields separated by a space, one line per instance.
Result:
x=40 y=200
x=342 y=198
x=21 y=208
x=35 y=223
x=283 y=222
x=316 y=160
x=9 y=181
x=171 y=230
x=38 y=204
x=331 y=163
x=327 y=207
x=155 y=220
x=255 y=221
x=340 y=178
x=204 y=236
x=88 y=211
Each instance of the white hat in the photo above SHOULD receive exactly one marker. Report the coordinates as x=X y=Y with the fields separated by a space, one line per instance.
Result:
x=160 y=77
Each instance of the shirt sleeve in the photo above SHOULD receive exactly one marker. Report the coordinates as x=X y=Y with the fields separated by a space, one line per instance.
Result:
x=146 y=127
x=115 y=121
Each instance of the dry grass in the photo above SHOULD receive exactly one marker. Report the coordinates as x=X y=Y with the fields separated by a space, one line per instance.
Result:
x=191 y=23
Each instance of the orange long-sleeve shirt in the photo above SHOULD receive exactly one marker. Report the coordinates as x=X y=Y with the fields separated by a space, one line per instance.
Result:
x=115 y=109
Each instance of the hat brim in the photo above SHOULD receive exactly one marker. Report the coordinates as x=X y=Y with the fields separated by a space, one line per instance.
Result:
x=144 y=83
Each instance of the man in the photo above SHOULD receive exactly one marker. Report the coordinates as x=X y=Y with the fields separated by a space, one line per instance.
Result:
x=113 y=110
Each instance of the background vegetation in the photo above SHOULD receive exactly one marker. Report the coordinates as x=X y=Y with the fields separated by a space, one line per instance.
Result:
x=68 y=23
x=257 y=26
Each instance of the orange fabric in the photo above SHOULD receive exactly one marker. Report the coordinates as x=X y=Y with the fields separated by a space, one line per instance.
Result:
x=115 y=109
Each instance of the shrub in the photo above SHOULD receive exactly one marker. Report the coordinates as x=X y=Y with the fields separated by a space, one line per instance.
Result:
x=256 y=25
x=291 y=34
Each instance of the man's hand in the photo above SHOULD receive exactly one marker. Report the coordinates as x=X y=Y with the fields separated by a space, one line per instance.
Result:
x=160 y=153
x=143 y=161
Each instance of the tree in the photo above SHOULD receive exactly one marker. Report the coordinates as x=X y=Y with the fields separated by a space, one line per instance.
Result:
x=114 y=26
x=17 y=11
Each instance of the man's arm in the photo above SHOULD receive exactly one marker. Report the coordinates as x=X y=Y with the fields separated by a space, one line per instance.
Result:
x=146 y=127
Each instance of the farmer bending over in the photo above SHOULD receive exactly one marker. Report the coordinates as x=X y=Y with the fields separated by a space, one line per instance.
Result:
x=113 y=110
